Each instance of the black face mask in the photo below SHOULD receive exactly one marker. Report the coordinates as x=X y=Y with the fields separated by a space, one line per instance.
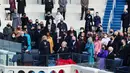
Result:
x=121 y=43
x=111 y=32
x=73 y=40
x=38 y=29
x=111 y=38
x=8 y=25
x=61 y=21
x=25 y=28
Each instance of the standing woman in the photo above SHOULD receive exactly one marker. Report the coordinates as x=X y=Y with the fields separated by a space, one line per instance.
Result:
x=90 y=48
x=48 y=6
x=44 y=49
x=58 y=17
x=89 y=22
x=21 y=6
x=97 y=45
x=16 y=19
x=62 y=7
x=12 y=5
x=50 y=40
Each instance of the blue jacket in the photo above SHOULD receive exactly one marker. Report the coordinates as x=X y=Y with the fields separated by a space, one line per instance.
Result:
x=28 y=41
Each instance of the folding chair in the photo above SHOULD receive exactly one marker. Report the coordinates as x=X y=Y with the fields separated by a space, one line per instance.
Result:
x=7 y=14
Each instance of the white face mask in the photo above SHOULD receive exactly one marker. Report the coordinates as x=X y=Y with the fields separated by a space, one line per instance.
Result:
x=13 y=35
x=22 y=35
x=105 y=36
x=97 y=14
x=58 y=13
x=81 y=30
x=57 y=30
x=71 y=29
x=49 y=28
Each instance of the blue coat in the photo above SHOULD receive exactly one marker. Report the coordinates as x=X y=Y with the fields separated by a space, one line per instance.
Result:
x=90 y=49
x=28 y=41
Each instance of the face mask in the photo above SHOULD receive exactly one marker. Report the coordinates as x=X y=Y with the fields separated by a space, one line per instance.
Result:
x=39 y=29
x=111 y=32
x=105 y=36
x=25 y=28
x=49 y=27
x=13 y=35
x=57 y=30
x=61 y=21
x=103 y=47
x=58 y=13
x=71 y=29
x=96 y=39
x=73 y=40
x=50 y=22
x=22 y=35
x=81 y=37
x=8 y=25
x=121 y=43
x=81 y=30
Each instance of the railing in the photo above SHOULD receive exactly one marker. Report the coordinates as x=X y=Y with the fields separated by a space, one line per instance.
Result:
x=111 y=16
x=35 y=59
x=50 y=61
x=9 y=46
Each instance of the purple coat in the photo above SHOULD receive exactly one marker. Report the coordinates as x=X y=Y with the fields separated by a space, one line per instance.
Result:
x=103 y=53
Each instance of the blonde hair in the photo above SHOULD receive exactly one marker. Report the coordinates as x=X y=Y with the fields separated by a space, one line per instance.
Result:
x=64 y=43
x=110 y=49
x=128 y=30
x=90 y=40
x=44 y=38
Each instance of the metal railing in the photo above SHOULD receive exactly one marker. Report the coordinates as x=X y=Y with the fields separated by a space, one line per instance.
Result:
x=111 y=16
x=59 y=59
x=9 y=46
